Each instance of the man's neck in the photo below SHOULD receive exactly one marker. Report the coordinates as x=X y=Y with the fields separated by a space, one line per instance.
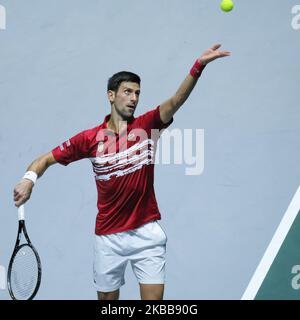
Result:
x=116 y=122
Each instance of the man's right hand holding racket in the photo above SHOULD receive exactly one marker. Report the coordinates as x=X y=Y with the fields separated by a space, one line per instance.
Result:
x=23 y=189
x=25 y=269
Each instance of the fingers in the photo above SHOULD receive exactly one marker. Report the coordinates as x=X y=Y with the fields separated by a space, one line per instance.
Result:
x=21 y=193
x=225 y=53
x=19 y=203
x=17 y=198
x=221 y=53
x=216 y=46
x=17 y=195
x=20 y=200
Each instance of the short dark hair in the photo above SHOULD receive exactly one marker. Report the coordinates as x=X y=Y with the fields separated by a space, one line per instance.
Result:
x=115 y=81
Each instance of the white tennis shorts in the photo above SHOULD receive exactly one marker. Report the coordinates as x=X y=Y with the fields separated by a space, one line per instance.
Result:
x=144 y=247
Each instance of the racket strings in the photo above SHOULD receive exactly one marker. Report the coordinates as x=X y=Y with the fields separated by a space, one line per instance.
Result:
x=24 y=273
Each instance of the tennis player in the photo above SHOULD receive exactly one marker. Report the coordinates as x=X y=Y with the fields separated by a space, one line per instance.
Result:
x=122 y=150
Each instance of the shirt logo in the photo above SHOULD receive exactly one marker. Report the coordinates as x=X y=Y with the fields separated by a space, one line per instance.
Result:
x=67 y=143
x=100 y=146
x=131 y=136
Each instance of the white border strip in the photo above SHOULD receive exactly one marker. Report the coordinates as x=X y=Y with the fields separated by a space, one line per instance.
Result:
x=273 y=248
x=2 y=278
x=2 y=18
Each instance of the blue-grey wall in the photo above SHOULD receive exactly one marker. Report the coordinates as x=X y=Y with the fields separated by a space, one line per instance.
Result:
x=55 y=59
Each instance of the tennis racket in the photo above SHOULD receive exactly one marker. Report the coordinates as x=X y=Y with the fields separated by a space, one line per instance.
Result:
x=24 y=270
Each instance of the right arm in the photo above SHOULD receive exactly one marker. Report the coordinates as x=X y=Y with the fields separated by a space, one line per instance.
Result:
x=23 y=189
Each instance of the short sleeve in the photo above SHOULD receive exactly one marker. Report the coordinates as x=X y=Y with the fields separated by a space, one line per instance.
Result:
x=74 y=149
x=152 y=120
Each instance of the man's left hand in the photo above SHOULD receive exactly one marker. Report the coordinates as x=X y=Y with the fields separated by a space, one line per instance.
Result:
x=212 y=54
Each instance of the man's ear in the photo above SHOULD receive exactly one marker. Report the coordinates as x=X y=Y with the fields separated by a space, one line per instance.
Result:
x=111 y=96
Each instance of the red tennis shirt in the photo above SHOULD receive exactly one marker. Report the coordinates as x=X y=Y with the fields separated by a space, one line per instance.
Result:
x=123 y=165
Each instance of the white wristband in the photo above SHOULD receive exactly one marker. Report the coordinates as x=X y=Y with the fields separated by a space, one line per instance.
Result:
x=30 y=175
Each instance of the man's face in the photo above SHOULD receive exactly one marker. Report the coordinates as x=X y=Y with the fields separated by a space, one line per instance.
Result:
x=125 y=100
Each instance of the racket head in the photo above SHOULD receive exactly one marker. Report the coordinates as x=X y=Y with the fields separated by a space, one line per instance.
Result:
x=24 y=273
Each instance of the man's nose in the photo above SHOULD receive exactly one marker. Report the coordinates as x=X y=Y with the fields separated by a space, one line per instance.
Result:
x=134 y=97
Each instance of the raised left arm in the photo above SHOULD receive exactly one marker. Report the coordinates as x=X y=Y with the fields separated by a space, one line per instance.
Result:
x=170 y=106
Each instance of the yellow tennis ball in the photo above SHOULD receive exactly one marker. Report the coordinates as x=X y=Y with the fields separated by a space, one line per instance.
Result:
x=227 y=5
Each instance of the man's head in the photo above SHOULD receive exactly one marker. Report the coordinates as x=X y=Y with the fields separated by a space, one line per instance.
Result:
x=123 y=90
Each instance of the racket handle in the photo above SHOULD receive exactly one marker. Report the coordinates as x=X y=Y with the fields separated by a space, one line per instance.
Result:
x=21 y=213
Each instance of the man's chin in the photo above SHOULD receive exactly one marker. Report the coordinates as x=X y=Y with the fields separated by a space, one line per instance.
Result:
x=128 y=115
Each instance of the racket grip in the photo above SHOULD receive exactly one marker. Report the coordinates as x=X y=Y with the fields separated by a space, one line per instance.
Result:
x=21 y=213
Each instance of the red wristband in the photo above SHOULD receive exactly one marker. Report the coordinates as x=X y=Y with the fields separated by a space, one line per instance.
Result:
x=197 y=69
